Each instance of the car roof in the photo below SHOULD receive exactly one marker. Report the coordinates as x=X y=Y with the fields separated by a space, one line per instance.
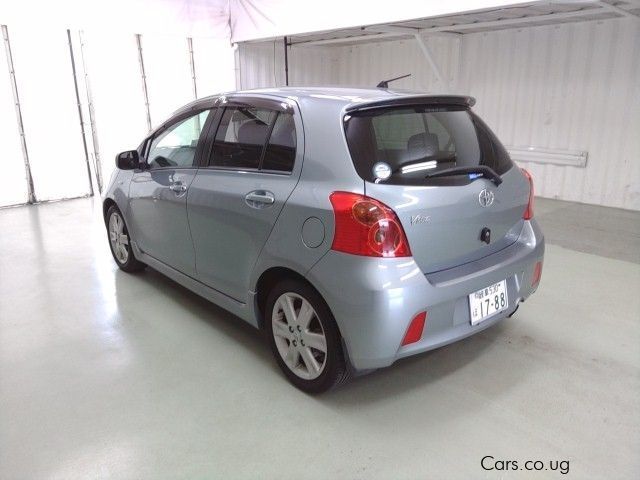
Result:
x=356 y=97
x=349 y=98
x=345 y=94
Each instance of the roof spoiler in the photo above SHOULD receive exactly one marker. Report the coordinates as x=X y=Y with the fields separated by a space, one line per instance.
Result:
x=435 y=100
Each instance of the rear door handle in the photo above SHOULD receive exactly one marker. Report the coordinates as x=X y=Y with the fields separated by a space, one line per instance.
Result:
x=259 y=199
x=178 y=187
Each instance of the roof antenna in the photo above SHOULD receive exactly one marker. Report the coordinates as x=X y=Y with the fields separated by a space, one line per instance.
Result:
x=385 y=83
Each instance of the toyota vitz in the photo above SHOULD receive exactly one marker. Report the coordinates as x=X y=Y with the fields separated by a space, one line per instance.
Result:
x=354 y=226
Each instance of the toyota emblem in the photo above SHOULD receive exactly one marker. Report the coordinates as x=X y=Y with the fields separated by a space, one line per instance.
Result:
x=485 y=197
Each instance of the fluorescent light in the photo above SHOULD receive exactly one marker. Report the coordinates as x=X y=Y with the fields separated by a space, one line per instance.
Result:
x=416 y=167
x=572 y=158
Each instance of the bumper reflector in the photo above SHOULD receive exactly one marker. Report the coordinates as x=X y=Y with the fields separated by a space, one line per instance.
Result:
x=414 y=332
x=537 y=274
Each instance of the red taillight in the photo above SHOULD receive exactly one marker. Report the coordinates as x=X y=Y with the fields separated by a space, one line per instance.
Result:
x=414 y=332
x=365 y=226
x=528 y=213
x=537 y=274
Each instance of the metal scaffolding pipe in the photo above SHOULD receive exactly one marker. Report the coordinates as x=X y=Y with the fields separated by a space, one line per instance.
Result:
x=80 y=117
x=97 y=164
x=192 y=63
x=286 y=62
x=144 y=79
x=16 y=99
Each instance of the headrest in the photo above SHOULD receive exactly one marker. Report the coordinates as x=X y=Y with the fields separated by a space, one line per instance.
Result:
x=252 y=132
x=423 y=145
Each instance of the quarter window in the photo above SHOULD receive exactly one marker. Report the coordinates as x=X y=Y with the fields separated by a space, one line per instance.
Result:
x=176 y=146
x=281 y=150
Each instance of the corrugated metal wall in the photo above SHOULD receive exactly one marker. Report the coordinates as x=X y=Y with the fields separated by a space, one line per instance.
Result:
x=574 y=86
x=368 y=64
x=262 y=65
x=351 y=65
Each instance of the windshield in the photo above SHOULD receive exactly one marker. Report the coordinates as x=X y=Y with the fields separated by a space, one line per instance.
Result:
x=411 y=143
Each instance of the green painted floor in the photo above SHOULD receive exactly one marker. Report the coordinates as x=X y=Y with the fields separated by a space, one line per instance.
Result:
x=106 y=375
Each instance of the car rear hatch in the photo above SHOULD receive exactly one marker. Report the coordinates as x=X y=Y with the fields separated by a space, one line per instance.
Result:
x=452 y=184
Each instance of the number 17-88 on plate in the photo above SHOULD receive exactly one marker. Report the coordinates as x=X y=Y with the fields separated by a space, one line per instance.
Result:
x=488 y=301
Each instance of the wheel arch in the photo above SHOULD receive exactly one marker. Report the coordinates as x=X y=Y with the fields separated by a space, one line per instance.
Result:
x=268 y=279
x=106 y=205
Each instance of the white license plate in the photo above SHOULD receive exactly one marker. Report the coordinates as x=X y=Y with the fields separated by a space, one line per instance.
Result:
x=488 y=301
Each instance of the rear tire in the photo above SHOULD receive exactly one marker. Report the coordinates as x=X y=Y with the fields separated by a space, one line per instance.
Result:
x=120 y=242
x=304 y=337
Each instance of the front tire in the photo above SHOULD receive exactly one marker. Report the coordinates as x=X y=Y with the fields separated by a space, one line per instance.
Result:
x=120 y=242
x=304 y=337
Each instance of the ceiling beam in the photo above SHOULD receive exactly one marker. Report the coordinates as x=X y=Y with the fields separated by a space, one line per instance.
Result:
x=356 y=38
x=402 y=31
x=396 y=31
x=406 y=31
x=511 y=21
x=393 y=29
x=621 y=11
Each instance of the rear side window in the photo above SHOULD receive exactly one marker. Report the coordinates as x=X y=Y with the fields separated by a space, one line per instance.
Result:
x=255 y=139
x=416 y=141
x=241 y=137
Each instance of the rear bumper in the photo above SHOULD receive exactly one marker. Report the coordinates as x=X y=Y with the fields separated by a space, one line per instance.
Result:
x=374 y=299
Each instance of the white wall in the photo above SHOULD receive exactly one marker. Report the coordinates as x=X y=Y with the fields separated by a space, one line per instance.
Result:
x=110 y=59
x=574 y=87
x=42 y=62
x=49 y=112
x=113 y=74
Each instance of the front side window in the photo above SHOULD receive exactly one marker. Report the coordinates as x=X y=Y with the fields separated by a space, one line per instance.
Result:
x=176 y=146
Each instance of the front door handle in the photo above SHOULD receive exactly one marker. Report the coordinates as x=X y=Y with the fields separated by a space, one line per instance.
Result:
x=259 y=199
x=178 y=187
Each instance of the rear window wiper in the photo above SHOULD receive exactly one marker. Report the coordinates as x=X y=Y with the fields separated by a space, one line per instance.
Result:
x=483 y=170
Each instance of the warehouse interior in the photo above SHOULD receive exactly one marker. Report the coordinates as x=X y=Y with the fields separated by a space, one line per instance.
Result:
x=109 y=375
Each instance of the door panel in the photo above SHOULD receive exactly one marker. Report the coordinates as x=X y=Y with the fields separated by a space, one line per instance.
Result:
x=231 y=217
x=158 y=207
x=232 y=209
x=158 y=195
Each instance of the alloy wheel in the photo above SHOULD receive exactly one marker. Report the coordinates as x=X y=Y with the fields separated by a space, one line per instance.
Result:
x=118 y=238
x=299 y=336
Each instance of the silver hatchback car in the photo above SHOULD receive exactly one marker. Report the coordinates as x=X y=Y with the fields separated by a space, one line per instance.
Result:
x=354 y=226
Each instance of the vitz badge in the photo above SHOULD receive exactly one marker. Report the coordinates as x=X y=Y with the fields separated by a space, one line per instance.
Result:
x=415 y=219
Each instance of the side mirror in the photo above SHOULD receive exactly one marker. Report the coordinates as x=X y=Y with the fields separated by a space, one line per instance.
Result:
x=128 y=160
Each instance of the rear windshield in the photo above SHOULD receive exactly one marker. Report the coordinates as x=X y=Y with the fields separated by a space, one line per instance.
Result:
x=414 y=142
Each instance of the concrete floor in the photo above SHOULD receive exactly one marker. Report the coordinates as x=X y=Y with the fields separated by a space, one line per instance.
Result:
x=108 y=375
